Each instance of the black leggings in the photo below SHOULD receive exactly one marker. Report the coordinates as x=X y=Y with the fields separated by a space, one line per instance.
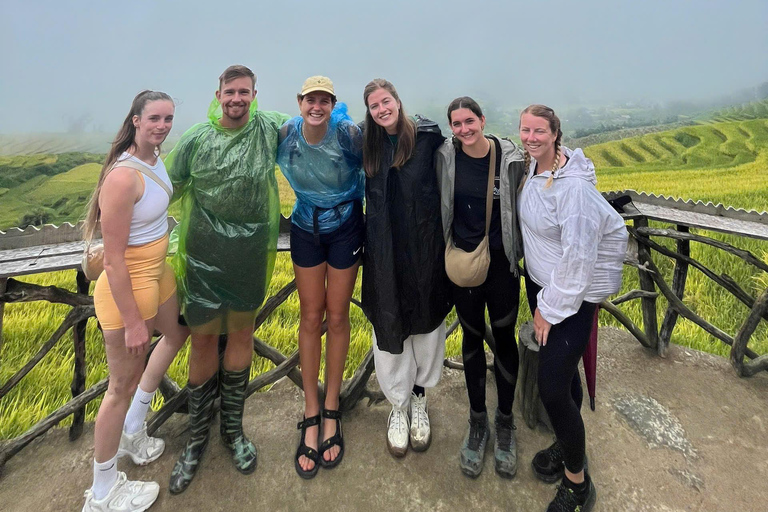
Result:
x=559 y=381
x=501 y=293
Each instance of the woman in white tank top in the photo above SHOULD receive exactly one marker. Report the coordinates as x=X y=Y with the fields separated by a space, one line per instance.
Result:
x=133 y=297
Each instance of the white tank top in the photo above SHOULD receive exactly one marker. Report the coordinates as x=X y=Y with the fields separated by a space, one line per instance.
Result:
x=150 y=213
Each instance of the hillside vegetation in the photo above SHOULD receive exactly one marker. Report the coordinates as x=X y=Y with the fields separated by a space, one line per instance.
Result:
x=46 y=187
x=722 y=162
x=752 y=110
x=742 y=112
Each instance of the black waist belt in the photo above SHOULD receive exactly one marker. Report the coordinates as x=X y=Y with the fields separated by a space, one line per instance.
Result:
x=316 y=214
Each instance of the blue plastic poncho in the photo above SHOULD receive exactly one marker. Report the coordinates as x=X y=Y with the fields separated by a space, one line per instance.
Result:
x=230 y=218
x=326 y=177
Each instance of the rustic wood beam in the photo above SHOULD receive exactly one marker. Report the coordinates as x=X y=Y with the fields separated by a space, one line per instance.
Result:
x=745 y=332
x=723 y=280
x=18 y=291
x=684 y=311
x=273 y=302
x=452 y=327
x=73 y=317
x=79 y=373
x=274 y=355
x=626 y=322
x=678 y=287
x=168 y=387
x=677 y=235
x=354 y=389
x=453 y=365
x=648 y=306
x=634 y=294
x=12 y=447
x=3 y=286
x=273 y=375
x=175 y=404
x=527 y=391
x=755 y=366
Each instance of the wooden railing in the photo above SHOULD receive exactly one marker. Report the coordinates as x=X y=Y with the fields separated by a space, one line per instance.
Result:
x=59 y=248
x=684 y=215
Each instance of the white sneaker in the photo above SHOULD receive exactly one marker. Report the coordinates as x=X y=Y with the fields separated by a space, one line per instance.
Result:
x=125 y=496
x=421 y=435
x=141 y=448
x=397 y=431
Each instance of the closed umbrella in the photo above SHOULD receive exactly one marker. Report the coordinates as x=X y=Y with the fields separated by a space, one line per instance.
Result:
x=589 y=359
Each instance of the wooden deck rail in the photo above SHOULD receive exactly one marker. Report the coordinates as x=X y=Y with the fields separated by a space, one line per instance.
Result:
x=51 y=248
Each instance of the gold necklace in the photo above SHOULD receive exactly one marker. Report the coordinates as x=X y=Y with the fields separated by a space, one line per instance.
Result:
x=304 y=134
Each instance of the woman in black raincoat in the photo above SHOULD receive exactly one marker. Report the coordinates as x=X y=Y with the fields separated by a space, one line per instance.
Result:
x=406 y=294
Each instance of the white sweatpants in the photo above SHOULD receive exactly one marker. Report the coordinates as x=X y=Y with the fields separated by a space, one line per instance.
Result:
x=421 y=364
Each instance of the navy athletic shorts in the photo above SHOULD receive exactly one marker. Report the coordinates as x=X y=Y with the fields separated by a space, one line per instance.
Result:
x=341 y=248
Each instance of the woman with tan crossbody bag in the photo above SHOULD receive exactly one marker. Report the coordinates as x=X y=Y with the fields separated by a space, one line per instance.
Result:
x=479 y=177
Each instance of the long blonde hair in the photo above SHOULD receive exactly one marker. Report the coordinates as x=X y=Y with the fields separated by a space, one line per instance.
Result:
x=124 y=140
x=554 y=125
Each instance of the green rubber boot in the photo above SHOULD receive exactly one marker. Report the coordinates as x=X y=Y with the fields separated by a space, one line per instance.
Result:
x=243 y=451
x=201 y=399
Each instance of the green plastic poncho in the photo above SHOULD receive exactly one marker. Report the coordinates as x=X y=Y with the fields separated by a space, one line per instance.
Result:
x=230 y=218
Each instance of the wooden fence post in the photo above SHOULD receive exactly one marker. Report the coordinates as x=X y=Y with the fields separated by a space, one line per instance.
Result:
x=79 y=373
x=650 y=322
x=678 y=287
x=3 y=284
x=527 y=392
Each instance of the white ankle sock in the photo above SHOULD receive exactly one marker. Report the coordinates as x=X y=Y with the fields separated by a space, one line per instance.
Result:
x=104 y=477
x=137 y=413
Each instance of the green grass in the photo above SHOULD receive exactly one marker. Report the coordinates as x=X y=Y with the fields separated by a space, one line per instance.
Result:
x=724 y=162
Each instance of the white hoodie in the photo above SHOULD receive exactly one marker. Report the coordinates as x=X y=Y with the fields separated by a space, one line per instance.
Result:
x=574 y=241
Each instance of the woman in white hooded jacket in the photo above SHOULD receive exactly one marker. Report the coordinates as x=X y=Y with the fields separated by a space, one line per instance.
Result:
x=574 y=244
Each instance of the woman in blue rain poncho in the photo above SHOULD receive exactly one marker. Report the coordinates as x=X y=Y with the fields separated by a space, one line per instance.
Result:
x=320 y=154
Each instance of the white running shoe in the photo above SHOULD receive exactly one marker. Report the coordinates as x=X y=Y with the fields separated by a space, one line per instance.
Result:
x=125 y=496
x=397 y=431
x=421 y=435
x=141 y=448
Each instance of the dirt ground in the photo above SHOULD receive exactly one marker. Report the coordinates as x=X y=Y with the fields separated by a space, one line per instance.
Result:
x=721 y=421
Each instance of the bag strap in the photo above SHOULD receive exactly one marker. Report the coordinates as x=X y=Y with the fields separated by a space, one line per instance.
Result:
x=489 y=193
x=131 y=164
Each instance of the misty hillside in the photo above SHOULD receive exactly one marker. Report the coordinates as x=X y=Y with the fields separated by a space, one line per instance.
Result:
x=50 y=176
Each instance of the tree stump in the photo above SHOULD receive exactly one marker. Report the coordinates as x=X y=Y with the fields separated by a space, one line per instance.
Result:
x=527 y=393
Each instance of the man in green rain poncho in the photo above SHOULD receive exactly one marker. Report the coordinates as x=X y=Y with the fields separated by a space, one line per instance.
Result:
x=224 y=172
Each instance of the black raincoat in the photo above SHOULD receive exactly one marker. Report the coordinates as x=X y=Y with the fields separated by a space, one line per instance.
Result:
x=405 y=289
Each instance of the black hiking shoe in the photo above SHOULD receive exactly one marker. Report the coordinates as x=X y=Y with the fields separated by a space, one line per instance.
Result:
x=472 y=451
x=567 y=501
x=505 y=445
x=549 y=466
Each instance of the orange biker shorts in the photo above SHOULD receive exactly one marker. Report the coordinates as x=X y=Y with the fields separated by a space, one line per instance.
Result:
x=152 y=282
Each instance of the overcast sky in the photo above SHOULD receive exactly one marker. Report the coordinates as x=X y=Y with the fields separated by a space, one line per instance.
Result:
x=69 y=62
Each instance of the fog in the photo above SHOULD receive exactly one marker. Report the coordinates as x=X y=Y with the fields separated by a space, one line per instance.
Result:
x=75 y=66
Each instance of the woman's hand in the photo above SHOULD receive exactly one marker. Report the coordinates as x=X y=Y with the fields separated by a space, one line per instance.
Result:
x=136 y=338
x=540 y=328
